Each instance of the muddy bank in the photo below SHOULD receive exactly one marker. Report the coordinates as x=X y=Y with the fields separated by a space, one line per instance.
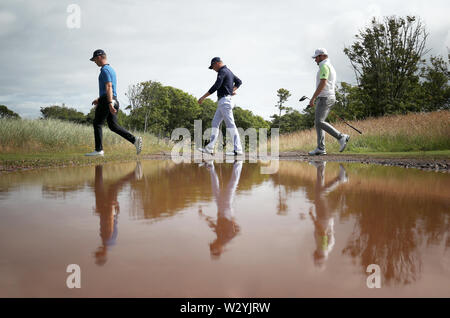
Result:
x=429 y=164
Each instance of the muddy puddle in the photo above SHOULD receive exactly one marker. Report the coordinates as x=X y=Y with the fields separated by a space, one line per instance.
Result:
x=160 y=229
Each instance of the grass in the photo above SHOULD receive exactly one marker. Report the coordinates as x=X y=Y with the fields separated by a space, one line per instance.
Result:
x=38 y=143
x=34 y=143
x=431 y=154
x=417 y=133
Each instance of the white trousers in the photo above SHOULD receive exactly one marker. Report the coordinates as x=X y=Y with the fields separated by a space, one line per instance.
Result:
x=224 y=112
x=225 y=196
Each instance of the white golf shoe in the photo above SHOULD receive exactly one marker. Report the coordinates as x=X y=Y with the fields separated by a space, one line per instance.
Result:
x=234 y=153
x=205 y=150
x=317 y=152
x=343 y=142
x=95 y=153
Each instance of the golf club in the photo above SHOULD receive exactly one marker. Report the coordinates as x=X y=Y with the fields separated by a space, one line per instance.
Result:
x=304 y=97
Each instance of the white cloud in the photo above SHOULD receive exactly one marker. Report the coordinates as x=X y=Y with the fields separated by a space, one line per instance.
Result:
x=268 y=44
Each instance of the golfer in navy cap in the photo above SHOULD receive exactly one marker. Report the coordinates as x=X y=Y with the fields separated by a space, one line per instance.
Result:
x=107 y=105
x=226 y=85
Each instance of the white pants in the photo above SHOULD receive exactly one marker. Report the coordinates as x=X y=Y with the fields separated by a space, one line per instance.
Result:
x=225 y=196
x=224 y=112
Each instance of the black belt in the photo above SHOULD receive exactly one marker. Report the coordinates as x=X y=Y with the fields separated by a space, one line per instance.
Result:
x=105 y=96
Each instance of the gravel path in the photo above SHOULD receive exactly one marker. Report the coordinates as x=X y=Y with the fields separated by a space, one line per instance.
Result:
x=442 y=165
x=429 y=164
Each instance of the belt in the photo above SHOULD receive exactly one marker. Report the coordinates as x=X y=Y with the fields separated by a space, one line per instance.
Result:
x=104 y=96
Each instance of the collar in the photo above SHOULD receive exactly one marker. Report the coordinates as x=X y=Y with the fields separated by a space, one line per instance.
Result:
x=323 y=62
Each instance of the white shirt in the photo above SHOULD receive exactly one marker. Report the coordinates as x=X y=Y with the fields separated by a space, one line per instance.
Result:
x=326 y=71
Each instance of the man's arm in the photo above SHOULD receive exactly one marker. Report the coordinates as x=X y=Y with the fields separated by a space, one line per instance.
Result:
x=322 y=84
x=109 y=97
x=217 y=84
x=203 y=97
x=237 y=84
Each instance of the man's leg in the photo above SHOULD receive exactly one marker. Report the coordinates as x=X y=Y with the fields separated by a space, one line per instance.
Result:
x=323 y=108
x=226 y=108
x=115 y=127
x=214 y=129
x=101 y=112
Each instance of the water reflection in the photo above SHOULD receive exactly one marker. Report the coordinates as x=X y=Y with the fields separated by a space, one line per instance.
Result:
x=358 y=215
x=107 y=208
x=397 y=215
x=324 y=219
x=225 y=227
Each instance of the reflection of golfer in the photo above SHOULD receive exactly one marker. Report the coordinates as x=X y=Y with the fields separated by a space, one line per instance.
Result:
x=226 y=85
x=108 y=209
x=107 y=105
x=225 y=228
x=324 y=221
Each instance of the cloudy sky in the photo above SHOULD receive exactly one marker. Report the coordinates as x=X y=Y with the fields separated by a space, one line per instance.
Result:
x=268 y=44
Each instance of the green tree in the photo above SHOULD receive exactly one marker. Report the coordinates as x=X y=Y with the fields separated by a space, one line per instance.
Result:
x=386 y=57
x=160 y=109
x=283 y=96
x=63 y=113
x=149 y=106
x=289 y=122
x=183 y=110
x=5 y=112
x=435 y=87
x=349 y=102
x=294 y=121
x=245 y=119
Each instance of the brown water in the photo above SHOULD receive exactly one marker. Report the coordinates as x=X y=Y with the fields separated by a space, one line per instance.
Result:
x=157 y=229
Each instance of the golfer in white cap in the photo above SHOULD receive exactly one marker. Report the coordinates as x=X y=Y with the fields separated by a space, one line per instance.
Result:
x=326 y=98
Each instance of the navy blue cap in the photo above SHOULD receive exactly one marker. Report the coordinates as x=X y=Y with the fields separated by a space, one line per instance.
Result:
x=97 y=53
x=214 y=60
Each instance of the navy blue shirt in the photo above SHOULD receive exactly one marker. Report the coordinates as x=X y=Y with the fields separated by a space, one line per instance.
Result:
x=107 y=74
x=225 y=82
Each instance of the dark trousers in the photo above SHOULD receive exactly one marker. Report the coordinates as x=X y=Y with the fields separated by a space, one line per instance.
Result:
x=101 y=113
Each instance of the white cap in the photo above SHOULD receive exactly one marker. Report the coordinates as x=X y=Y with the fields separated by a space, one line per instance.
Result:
x=320 y=51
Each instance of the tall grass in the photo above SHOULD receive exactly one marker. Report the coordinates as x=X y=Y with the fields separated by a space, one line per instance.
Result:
x=400 y=133
x=37 y=135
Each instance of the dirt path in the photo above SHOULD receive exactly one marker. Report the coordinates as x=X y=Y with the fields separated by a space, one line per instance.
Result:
x=430 y=164
x=419 y=163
